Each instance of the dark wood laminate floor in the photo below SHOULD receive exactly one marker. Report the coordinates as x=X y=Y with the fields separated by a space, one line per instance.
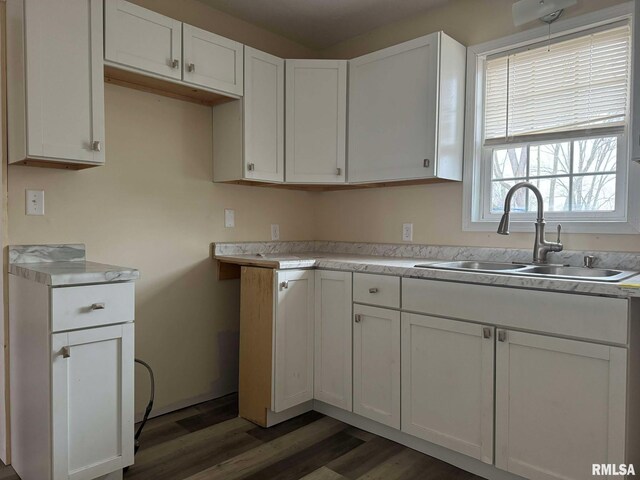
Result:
x=209 y=441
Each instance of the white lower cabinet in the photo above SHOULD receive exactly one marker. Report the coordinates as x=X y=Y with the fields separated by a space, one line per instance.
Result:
x=92 y=391
x=560 y=405
x=447 y=383
x=294 y=324
x=376 y=364
x=333 y=339
x=71 y=386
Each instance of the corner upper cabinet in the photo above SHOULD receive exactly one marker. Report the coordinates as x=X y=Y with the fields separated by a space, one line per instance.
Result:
x=316 y=116
x=248 y=134
x=211 y=61
x=406 y=111
x=55 y=85
x=140 y=39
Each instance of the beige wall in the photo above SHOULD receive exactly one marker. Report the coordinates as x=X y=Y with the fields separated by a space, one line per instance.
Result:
x=153 y=206
x=435 y=210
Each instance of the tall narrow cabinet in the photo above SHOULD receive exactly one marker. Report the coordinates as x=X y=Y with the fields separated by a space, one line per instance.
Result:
x=55 y=85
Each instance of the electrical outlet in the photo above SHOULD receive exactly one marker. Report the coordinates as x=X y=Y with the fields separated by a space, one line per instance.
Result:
x=275 y=231
x=34 y=200
x=229 y=218
x=407 y=232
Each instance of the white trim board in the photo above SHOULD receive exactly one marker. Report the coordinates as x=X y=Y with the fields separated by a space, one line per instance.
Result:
x=472 y=177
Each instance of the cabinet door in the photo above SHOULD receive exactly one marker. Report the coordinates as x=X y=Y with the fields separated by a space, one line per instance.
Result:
x=376 y=364
x=142 y=39
x=560 y=405
x=263 y=116
x=64 y=80
x=293 y=368
x=333 y=344
x=92 y=395
x=447 y=383
x=393 y=112
x=212 y=61
x=316 y=116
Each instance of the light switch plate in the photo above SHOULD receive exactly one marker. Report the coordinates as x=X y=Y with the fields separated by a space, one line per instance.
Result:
x=275 y=231
x=407 y=232
x=229 y=218
x=34 y=202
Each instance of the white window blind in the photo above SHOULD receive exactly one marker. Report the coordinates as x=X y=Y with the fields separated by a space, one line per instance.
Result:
x=578 y=85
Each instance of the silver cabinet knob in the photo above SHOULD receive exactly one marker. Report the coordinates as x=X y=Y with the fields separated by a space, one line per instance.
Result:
x=175 y=63
x=191 y=67
x=502 y=336
x=486 y=332
x=97 y=306
x=338 y=171
x=251 y=167
x=66 y=352
x=284 y=285
x=373 y=290
x=96 y=146
x=426 y=163
x=358 y=318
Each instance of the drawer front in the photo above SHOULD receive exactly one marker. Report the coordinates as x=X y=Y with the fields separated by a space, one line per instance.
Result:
x=380 y=290
x=592 y=318
x=91 y=306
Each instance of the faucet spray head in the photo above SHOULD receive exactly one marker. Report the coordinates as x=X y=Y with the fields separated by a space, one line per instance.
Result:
x=503 y=228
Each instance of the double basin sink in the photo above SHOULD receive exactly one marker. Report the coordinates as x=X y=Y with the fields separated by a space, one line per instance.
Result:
x=550 y=271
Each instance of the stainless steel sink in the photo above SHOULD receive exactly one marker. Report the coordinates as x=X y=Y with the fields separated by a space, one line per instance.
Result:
x=550 y=271
x=475 y=266
x=599 y=274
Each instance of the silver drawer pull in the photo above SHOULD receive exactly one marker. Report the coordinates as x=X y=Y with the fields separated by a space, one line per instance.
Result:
x=486 y=332
x=191 y=67
x=502 y=336
x=175 y=63
x=97 y=306
x=284 y=285
x=66 y=352
x=373 y=290
x=358 y=318
x=96 y=146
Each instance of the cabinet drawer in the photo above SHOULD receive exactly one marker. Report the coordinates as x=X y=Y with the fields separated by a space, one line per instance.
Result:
x=91 y=306
x=380 y=290
x=581 y=316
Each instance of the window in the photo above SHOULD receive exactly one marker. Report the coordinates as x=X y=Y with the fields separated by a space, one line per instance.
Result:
x=554 y=113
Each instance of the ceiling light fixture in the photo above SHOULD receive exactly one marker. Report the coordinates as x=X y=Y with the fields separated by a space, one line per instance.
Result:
x=548 y=11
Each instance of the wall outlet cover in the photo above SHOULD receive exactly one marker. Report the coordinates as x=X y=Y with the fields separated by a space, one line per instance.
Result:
x=34 y=202
x=229 y=218
x=407 y=232
x=275 y=231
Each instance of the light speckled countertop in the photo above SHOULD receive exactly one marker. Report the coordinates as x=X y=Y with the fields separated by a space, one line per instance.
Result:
x=405 y=267
x=63 y=265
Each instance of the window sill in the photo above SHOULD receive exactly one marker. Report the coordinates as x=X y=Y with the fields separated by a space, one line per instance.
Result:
x=613 y=227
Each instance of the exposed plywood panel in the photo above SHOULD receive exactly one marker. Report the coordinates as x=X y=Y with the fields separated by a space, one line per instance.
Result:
x=256 y=333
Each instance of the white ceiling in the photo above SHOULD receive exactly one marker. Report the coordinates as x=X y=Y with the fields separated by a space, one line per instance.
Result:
x=321 y=23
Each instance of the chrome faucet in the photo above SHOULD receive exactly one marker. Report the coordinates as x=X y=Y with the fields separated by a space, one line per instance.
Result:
x=540 y=245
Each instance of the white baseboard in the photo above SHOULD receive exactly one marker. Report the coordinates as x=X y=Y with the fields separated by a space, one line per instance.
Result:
x=188 y=402
x=449 y=456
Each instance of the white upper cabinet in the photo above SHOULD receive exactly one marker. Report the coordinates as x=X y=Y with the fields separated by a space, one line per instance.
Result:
x=316 y=115
x=406 y=111
x=142 y=39
x=333 y=362
x=560 y=405
x=263 y=116
x=248 y=134
x=55 y=82
x=294 y=313
x=447 y=383
x=211 y=61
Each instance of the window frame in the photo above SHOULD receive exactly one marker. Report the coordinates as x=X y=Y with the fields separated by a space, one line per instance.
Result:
x=476 y=176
